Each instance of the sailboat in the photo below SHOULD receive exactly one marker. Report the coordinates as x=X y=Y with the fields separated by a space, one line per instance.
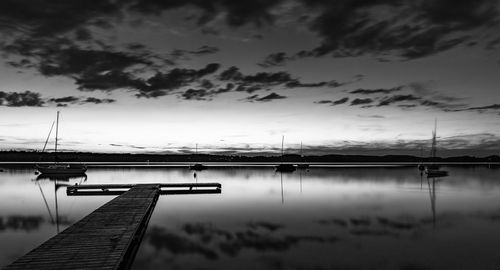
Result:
x=59 y=168
x=284 y=167
x=421 y=166
x=302 y=164
x=433 y=170
x=197 y=166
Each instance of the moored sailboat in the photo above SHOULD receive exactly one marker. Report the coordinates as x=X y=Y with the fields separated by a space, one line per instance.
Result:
x=302 y=164
x=197 y=166
x=283 y=167
x=433 y=170
x=57 y=167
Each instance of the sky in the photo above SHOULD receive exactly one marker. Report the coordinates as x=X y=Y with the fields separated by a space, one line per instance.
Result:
x=233 y=77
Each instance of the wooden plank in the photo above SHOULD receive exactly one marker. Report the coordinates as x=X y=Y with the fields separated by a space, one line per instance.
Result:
x=108 y=238
x=125 y=186
x=166 y=189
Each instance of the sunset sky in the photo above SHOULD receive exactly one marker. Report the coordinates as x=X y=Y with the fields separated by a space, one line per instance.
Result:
x=341 y=76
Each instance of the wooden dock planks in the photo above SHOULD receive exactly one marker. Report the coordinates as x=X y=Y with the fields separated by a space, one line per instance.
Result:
x=108 y=238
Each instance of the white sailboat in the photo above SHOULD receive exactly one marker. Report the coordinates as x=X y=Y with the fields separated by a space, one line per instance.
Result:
x=302 y=164
x=284 y=167
x=60 y=168
x=197 y=166
x=433 y=170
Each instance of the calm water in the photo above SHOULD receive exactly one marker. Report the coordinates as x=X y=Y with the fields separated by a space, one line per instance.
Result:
x=324 y=218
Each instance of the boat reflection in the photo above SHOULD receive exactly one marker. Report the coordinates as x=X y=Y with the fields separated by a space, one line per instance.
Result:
x=56 y=178
x=431 y=183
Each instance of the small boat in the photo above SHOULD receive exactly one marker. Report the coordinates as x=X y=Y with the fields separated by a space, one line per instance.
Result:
x=284 y=167
x=59 y=168
x=421 y=167
x=302 y=165
x=63 y=169
x=197 y=166
x=433 y=170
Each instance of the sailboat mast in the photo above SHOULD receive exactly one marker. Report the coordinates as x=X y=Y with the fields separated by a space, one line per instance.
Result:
x=282 y=142
x=434 y=139
x=57 y=130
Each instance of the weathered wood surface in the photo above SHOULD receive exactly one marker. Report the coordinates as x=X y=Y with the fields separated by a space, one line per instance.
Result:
x=165 y=189
x=108 y=238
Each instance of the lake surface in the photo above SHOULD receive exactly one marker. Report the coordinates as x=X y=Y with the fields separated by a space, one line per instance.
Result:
x=322 y=218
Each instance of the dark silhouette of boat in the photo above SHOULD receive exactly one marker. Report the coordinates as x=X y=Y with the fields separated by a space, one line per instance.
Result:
x=421 y=166
x=433 y=170
x=283 y=167
x=59 y=168
x=302 y=165
x=62 y=169
x=197 y=166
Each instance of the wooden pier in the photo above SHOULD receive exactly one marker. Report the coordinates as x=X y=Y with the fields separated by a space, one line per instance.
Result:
x=109 y=237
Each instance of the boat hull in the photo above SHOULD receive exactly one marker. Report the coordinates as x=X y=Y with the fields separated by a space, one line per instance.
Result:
x=285 y=168
x=62 y=169
x=198 y=167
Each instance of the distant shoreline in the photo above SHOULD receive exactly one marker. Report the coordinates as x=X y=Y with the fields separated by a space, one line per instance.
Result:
x=20 y=157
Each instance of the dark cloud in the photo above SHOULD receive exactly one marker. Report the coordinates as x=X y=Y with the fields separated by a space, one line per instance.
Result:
x=68 y=99
x=97 y=100
x=179 y=54
x=226 y=89
x=236 y=13
x=206 y=84
x=21 y=99
x=64 y=101
x=376 y=91
x=266 y=80
x=49 y=18
x=163 y=83
x=411 y=29
x=333 y=102
x=361 y=101
x=398 y=98
x=323 y=102
x=195 y=94
x=275 y=60
x=485 y=108
x=205 y=50
x=270 y=97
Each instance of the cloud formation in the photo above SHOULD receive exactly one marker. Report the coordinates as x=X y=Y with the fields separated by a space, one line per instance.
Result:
x=21 y=99
x=376 y=91
x=361 y=101
x=266 y=98
x=391 y=29
x=333 y=102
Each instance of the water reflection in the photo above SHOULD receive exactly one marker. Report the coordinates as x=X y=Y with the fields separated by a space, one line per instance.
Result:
x=57 y=179
x=331 y=218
